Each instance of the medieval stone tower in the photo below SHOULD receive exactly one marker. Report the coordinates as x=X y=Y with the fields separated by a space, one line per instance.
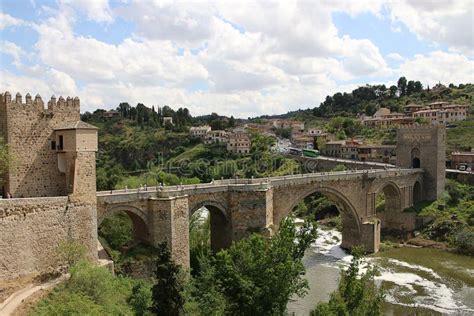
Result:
x=424 y=147
x=52 y=179
x=46 y=145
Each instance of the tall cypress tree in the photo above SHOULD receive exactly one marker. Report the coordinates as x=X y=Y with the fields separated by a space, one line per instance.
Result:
x=167 y=293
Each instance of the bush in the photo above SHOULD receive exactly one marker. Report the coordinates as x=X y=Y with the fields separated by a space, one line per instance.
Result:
x=356 y=295
x=71 y=252
x=91 y=290
x=464 y=241
x=140 y=299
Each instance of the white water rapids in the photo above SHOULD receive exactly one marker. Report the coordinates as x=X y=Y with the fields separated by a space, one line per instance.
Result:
x=405 y=283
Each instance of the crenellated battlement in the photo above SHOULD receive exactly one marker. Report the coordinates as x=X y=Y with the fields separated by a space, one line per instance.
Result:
x=71 y=105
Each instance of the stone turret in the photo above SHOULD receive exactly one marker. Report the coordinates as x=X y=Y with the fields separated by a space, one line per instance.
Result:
x=424 y=147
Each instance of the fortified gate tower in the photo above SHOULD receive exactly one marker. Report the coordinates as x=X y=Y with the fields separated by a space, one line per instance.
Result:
x=424 y=147
x=52 y=179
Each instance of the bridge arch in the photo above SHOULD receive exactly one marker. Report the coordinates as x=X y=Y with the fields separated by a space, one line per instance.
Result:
x=393 y=197
x=138 y=217
x=220 y=223
x=351 y=223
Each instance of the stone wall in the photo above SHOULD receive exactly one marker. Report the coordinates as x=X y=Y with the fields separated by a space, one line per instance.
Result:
x=32 y=228
x=425 y=146
x=28 y=129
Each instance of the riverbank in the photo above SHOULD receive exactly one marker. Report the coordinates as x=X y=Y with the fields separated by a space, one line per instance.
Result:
x=416 y=280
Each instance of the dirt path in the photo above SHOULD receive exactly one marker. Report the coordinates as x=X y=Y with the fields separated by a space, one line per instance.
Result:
x=15 y=300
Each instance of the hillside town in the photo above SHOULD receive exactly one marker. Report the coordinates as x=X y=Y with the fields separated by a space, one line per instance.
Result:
x=238 y=140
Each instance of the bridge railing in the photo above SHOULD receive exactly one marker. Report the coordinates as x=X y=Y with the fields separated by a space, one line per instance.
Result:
x=252 y=183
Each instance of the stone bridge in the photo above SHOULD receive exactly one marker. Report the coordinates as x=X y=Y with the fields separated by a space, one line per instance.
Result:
x=240 y=206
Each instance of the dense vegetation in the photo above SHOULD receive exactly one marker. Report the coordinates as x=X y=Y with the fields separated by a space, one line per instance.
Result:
x=93 y=290
x=255 y=276
x=453 y=217
x=369 y=98
x=135 y=150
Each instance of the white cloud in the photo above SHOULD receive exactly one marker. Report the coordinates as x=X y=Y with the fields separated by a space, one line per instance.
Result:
x=256 y=57
x=140 y=62
x=443 y=22
x=439 y=66
x=96 y=10
x=395 y=56
x=364 y=59
x=187 y=23
x=10 y=48
x=7 y=20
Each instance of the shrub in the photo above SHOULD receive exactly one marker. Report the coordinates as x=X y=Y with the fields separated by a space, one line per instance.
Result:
x=71 y=252
x=91 y=290
x=356 y=295
x=464 y=241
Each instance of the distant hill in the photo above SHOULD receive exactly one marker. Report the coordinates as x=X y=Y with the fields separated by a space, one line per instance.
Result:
x=369 y=98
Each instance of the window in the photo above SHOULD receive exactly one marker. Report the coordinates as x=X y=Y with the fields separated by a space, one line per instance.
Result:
x=53 y=145
x=61 y=142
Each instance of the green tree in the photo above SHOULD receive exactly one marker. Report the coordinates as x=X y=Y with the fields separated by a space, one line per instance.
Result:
x=70 y=252
x=116 y=230
x=258 y=276
x=204 y=294
x=140 y=299
x=356 y=294
x=168 y=292
x=402 y=86
x=393 y=91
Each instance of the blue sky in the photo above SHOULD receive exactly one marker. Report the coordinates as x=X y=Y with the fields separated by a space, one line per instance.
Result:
x=236 y=58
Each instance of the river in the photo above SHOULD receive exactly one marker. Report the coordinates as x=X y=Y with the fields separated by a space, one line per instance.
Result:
x=416 y=280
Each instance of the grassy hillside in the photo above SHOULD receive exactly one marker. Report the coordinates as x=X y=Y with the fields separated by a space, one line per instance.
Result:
x=461 y=138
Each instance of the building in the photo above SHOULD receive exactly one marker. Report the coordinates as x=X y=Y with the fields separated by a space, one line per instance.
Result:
x=111 y=114
x=295 y=126
x=410 y=108
x=463 y=160
x=43 y=142
x=377 y=153
x=199 y=131
x=442 y=115
x=349 y=150
x=263 y=127
x=52 y=182
x=314 y=132
x=217 y=136
x=167 y=120
x=356 y=150
x=303 y=141
x=239 y=143
x=333 y=148
x=383 y=118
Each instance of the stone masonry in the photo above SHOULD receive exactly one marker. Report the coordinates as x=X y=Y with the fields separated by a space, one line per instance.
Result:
x=241 y=206
x=52 y=180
